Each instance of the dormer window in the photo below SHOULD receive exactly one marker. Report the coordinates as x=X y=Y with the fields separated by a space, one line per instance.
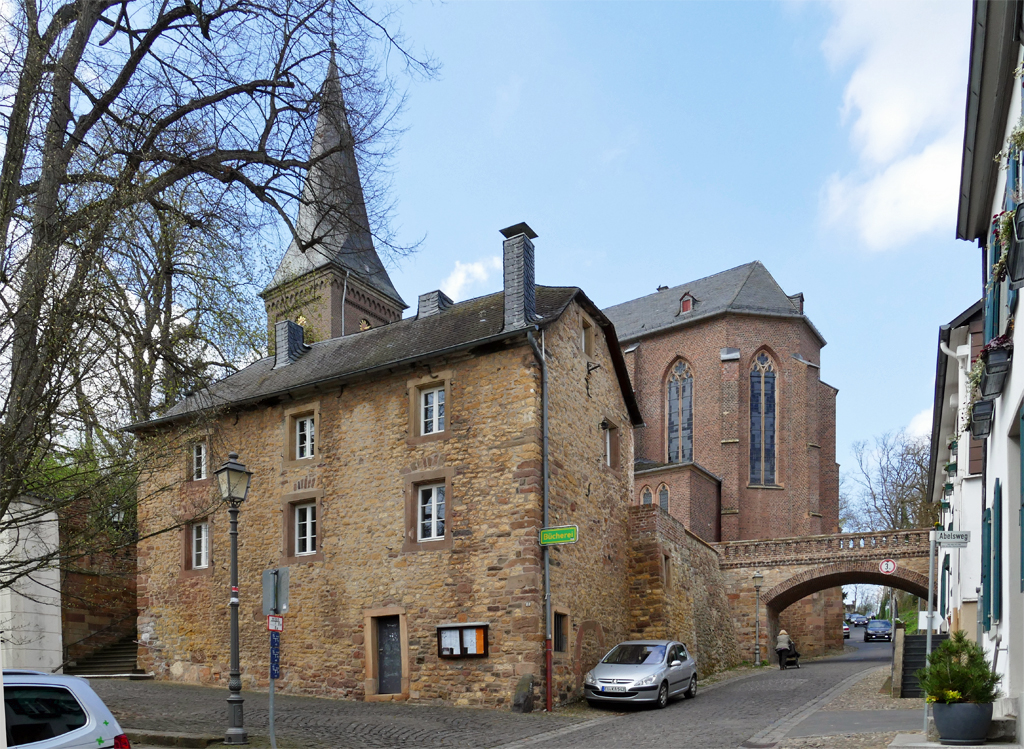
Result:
x=685 y=304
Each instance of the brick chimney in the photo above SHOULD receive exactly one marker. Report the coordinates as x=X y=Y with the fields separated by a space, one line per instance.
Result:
x=520 y=289
x=289 y=343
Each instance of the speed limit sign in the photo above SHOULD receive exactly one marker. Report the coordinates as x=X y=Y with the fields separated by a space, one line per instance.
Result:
x=887 y=566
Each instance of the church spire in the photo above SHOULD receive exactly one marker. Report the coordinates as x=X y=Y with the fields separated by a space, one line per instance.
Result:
x=332 y=226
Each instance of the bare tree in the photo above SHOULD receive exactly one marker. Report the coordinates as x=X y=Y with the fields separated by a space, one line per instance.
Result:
x=890 y=484
x=146 y=144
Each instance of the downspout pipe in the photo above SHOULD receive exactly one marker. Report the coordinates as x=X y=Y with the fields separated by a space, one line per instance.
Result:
x=548 y=650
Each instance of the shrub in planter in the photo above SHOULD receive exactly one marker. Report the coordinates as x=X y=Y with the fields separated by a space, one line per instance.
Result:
x=961 y=685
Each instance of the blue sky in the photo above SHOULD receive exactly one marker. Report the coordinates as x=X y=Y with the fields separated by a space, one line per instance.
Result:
x=656 y=143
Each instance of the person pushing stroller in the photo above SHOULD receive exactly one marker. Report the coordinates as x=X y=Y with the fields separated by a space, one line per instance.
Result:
x=785 y=648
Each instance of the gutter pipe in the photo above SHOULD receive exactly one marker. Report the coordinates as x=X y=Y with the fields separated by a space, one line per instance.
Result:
x=548 y=651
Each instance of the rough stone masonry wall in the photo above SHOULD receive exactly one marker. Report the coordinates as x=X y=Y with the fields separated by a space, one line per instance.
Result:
x=588 y=578
x=98 y=603
x=491 y=572
x=676 y=590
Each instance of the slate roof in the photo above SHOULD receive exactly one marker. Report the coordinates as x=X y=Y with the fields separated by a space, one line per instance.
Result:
x=747 y=289
x=461 y=326
x=332 y=210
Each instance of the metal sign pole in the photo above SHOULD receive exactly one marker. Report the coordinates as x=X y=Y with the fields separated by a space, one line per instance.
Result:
x=931 y=603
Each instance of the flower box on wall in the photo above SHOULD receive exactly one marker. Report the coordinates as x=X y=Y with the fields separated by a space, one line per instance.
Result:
x=981 y=419
x=1015 y=255
x=993 y=376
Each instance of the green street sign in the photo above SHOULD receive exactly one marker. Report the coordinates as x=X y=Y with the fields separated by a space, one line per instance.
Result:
x=566 y=534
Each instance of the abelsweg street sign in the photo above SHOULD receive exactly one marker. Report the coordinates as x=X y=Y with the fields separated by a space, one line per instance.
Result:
x=953 y=539
x=566 y=534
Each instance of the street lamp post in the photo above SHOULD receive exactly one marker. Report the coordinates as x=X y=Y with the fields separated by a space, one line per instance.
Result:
x=758 y=579
x=233 y=481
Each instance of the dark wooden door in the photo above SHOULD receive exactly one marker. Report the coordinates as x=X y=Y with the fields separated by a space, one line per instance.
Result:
x=389 y=656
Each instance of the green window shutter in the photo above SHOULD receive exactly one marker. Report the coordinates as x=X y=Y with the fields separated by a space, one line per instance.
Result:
x=997 y=552
x=986 y=569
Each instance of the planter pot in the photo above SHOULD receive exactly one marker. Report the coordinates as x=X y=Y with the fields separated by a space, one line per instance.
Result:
x=993 y=376
x=962 y=723
x=981 y=429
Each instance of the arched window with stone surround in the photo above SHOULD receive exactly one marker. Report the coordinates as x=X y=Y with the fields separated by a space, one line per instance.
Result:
x=645 y=496
x=763 y=418
x=663 y=497
x=679 y=404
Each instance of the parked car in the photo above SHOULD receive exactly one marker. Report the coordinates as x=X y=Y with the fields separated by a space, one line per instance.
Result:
x=878 y=629
x=846 y=631
x=53 y=711
x=642 y=671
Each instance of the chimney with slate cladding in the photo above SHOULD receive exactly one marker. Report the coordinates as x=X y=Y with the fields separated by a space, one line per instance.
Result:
x=289 y=343
x=432 y=303
x=520 y=289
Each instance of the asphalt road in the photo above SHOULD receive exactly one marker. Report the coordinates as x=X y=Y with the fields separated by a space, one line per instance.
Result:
x=752 y=711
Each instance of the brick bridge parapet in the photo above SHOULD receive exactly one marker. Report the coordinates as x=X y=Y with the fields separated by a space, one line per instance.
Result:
x=824 y=549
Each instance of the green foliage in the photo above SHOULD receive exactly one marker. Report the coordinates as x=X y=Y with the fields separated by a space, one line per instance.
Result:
x=957 y=671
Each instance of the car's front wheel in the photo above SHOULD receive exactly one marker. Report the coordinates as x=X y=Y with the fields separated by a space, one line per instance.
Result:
x=691 y=691
x=663 y=695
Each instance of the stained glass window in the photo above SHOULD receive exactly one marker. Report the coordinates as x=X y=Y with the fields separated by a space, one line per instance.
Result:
x=762 y=421
x=680 y=414
x=663 y=497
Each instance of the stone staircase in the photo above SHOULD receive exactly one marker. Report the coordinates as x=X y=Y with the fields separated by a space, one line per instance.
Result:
x=118 y=658
x=914 y=659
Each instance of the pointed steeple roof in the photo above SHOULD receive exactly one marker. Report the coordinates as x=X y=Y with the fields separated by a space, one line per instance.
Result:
x=332 y=221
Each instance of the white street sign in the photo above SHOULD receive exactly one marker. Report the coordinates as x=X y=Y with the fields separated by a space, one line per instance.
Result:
x=952 y=539
x=887 y=566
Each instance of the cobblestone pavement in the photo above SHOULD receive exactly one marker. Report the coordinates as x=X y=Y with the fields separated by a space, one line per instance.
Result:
x=752 y=708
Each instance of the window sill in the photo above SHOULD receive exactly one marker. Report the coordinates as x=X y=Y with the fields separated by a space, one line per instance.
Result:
x=424 y=438
x=440 y=544
x=302 y=462
x=302 y=559
x=765 y=486
x=204 y=572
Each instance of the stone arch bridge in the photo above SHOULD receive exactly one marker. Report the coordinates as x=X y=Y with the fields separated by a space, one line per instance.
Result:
x=794 y=568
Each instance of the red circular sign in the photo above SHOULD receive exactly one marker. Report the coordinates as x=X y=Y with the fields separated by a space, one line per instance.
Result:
x=887 y=566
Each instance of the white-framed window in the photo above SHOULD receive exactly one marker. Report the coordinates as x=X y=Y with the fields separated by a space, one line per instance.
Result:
x=305 y=437
x=305 y=529
x=199 y=461
x=430 y=512
x=200 y=545
x=432 y=410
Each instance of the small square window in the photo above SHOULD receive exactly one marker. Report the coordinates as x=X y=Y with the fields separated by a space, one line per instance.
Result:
x=199 y=461
x=432 y=410
x=430 y=512
x=200 y=555
x=305 y=529
x=560 y=637
x=305 y=437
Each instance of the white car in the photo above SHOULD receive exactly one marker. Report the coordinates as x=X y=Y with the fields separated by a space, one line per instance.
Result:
x=53 y=711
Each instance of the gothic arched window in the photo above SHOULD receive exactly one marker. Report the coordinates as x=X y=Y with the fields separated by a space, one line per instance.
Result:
x=762 y=421
x=680 y=414
x=647 y=497
x=663 y=497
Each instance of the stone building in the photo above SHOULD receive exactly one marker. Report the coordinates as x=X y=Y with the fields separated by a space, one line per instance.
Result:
x=399 y=472
x=739 y=436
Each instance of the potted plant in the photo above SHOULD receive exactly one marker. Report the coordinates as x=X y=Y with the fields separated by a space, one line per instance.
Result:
x=961 y=686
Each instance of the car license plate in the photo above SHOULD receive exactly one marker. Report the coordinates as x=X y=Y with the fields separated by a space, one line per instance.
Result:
x=613 y=689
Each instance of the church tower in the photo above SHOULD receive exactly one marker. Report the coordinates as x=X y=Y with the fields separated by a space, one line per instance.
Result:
x=331 y=280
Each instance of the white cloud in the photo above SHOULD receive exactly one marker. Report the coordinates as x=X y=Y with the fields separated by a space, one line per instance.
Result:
x=905 y=102
x=467 y=275
x=921 y=424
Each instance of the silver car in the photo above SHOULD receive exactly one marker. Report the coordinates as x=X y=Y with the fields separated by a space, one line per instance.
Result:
x=53 y=711
x=642 y=671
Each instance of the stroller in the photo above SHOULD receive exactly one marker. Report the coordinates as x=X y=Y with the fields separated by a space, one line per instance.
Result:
x=788 y=658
